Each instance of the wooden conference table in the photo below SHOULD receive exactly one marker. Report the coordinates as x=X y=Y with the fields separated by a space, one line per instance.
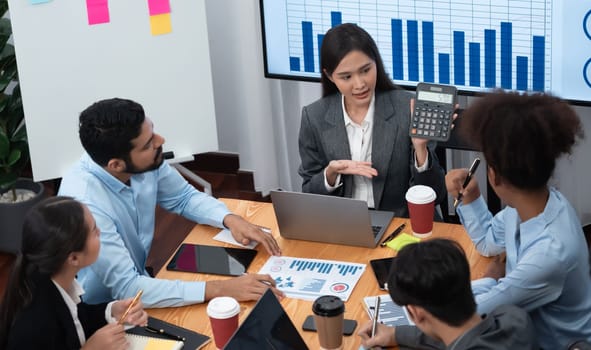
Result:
x=194 y=317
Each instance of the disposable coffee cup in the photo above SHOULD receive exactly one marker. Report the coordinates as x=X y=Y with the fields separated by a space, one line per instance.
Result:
x=328 y=316
x=421 y=207
x=223 y=315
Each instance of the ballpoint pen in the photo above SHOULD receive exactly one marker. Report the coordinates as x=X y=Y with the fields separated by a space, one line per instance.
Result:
x=392 y=235
x=135 y=299
x=164 y=333
x=471 y=172
x=376 y=315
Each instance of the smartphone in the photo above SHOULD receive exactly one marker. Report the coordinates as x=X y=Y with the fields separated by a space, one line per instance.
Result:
x=348 y=327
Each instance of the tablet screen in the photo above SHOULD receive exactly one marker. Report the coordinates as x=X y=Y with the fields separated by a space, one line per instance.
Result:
x=211 y=259
x=381 y=268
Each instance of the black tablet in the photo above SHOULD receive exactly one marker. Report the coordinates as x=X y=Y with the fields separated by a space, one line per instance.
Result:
x=381 y=268
x=211 y=259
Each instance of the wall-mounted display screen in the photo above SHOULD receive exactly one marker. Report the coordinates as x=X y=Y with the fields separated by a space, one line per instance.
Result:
x=476 y=45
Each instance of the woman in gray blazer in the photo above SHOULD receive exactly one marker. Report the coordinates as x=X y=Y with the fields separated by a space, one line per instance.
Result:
x=354 y=141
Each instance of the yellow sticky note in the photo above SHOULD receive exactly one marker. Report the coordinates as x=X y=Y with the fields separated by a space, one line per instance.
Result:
x=402 y=240
x=160 y=24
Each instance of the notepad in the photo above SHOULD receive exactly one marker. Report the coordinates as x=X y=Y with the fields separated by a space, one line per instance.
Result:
x=193 y=340
x=140 y=342
x=391 y=314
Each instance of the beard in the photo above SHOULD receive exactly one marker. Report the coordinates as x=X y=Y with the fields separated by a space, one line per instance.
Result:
x=130 y=168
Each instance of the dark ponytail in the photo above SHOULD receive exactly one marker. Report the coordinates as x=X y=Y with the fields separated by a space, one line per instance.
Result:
x=52 y=230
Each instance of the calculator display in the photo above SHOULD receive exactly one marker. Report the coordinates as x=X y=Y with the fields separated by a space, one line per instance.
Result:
x=436 y=97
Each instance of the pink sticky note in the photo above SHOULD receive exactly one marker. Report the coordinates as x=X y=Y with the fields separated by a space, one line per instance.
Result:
x=158 y=7
x=98 y=11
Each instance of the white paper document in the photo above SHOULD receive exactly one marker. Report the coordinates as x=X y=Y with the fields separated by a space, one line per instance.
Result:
x=226 y=236
x=310 y=278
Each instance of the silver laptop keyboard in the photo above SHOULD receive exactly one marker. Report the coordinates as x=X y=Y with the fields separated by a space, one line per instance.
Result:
x=376 y=230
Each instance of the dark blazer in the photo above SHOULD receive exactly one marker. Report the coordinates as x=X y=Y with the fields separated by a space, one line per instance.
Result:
x=46 y=323
x=323 y=137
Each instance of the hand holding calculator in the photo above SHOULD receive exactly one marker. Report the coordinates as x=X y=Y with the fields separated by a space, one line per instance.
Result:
x=433 y=112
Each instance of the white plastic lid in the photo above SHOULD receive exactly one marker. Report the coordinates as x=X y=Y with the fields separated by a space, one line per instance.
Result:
x=223 y=307
x=420 y=194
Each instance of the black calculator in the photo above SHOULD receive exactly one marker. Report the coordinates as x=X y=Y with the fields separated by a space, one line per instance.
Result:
x=434 y=109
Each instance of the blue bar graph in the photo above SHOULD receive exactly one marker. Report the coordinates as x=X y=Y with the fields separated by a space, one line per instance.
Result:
x=319 y=39
x=397 y=60
x=444 y=68
x=336 y=18
x=426 y=45
x=490 y=58
x=413 y=50
x=459 y=58
x=294 y=64
x=538 y=63
x=428 y=53
x=474 y=61
x=307 y=37
x=521 y=73
x=506 y=54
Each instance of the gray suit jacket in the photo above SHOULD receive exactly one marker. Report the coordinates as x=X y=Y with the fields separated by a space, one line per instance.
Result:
x=323 y=138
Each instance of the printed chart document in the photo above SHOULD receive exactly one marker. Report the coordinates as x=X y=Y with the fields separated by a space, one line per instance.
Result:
x=308 y=279
x=391 y=314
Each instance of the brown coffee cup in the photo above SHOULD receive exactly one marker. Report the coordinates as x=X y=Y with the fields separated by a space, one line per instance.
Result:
x=329 y=312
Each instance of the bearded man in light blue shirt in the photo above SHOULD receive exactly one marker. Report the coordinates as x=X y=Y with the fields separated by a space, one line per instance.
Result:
x=547 y=262
x=121 y=178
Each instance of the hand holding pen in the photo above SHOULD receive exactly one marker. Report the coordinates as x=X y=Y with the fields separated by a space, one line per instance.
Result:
x=471 y=172
x=131 y=305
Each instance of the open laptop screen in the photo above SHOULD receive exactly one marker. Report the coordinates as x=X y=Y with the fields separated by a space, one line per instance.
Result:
x=267 y=327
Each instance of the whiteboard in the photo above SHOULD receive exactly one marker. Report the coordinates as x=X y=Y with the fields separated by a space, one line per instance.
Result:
x=65 y=65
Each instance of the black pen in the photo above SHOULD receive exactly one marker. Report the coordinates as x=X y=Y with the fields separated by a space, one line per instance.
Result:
x=164 y=333
x=393 y=235
x=471 y=172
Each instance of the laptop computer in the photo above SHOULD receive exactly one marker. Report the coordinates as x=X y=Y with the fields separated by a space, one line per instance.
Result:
x=267 y=327
x=329 y=219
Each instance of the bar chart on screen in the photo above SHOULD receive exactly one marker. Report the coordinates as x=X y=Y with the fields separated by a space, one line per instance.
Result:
x=471 y=44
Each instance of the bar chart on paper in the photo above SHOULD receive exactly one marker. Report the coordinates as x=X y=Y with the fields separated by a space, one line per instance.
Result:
x=473 y=44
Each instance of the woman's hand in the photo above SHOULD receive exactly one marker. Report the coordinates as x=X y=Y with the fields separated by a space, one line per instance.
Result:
x=137 y=316
x=454 y=179
x=111 y=336
x=348 y=167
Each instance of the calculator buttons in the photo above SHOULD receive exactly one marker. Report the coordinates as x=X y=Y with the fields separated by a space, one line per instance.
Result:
x=432 y=122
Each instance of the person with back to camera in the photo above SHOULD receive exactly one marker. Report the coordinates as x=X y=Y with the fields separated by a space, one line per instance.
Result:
x=41 y=308
x=354 y=141
x=122 y=177
x=547 y=264
x=432 y=280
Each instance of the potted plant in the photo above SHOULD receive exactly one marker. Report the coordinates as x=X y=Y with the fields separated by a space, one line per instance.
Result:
x=17 y=194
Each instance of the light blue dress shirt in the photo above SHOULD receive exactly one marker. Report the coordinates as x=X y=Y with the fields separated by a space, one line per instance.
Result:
x=125 y=216
x=547 y=269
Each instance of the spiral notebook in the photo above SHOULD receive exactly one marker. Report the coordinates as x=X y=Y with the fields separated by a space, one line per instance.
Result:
x=141 y=342
x=193 y=340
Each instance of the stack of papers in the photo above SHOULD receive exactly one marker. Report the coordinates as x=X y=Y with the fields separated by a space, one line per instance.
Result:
x=391 y=314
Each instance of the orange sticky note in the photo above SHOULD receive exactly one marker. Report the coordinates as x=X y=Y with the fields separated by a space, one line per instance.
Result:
x=161 y=24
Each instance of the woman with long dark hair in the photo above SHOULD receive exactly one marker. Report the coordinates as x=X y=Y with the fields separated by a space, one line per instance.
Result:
x=354 y=141
x=41 y=308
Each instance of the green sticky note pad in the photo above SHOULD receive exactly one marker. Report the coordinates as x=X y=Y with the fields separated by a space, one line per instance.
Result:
x=402 y=240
